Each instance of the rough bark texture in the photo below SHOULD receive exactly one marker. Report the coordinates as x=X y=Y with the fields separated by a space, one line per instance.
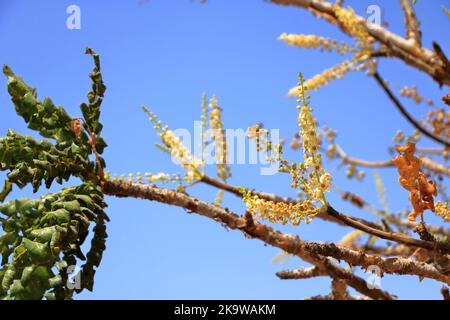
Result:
x=312 y=252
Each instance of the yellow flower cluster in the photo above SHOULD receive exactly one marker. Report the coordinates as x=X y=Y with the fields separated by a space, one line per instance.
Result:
x=263 y=143
x=219 y=139
x=353 y=172
x=411 y=93
x=355 y=27
x=439 y=120
x=313 y=41
x=401 y=137
x=261 y=137
x=157 y=177
x=361 y=51
x=351 y=238
x=148 y=177
x=204 y=121
x=320 y=80
x=177 y=149
x=309 y=175
x=442 y=210
x=314 y=181
x=280 y=211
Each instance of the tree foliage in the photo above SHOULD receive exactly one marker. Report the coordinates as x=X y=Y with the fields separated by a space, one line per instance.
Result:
x=42 y=238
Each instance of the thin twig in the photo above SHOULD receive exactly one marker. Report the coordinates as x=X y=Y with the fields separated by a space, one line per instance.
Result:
x=393 y=236
x=405 y=113
x=426 y=162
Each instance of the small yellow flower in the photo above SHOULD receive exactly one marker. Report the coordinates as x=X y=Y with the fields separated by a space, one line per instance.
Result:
x=324 y=78
x=313 y=41
x=442 y=210
x=280 y=211
x=219 y=140
x=177 y=149
x=309 y=175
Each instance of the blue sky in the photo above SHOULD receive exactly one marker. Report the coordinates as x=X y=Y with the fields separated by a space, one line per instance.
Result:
x=165 y=54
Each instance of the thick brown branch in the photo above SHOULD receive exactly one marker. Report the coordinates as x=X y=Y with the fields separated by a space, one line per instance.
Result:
x=354 y=257
x=404 y=49
x=301 y=273
x=289 y=243
x=405 y=113
x=311 y=252
x=388 y=251
x=387 y=265
x=339 y=290
x=411 y=23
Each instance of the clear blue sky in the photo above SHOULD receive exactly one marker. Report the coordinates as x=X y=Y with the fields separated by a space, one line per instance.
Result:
x=164 y=54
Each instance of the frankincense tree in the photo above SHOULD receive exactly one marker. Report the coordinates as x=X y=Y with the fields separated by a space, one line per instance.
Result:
x=43 y=238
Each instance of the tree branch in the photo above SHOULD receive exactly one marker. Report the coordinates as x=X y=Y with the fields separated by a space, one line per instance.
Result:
x=388 y=265
x=311 y=252
x=339 y=290
x=405 y=113
x=411 y=23
x=391 y=218
x=432 y=150
x=342 y=219
x=413 y=55
x=301 y=273
x=289 y=243
x=426 y=162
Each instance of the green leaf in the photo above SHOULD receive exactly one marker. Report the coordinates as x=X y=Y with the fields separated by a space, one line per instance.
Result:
x=16 y=288
x=8 y=277
x=7 y=187
x=8 y=238
x=8 y=208
x=38 y=252
x=72 y=206
x=47 y=233
x=55 y=281
x=26 y=274
x=44 y=234
x=58 y=216
x=25 y=205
